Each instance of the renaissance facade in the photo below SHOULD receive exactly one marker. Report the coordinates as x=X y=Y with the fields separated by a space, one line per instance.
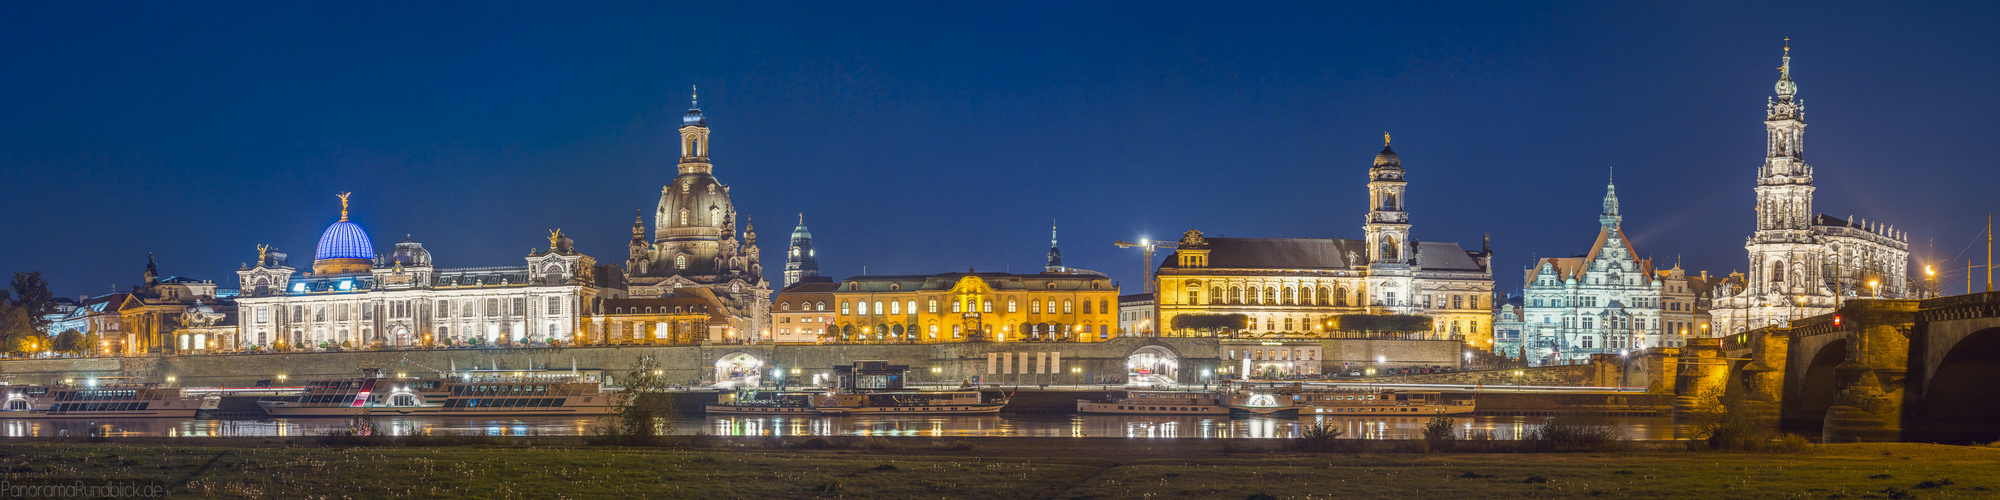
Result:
x=1296 y=286
x=354 y=298
x=695 y=243
x=1802 y=263
x=1074 y=306
x=1606 y=301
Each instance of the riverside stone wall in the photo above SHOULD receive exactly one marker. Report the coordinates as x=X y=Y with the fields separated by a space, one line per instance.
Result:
x=1025 y=363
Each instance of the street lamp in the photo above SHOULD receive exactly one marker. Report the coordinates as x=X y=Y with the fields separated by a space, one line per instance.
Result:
x=1931 y=276
x=1875 y=289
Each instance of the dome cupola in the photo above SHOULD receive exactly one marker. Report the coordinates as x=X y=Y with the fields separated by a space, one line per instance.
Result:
x=344 y=247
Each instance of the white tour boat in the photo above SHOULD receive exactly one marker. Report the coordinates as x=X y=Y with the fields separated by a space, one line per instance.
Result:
x=123 y=401
x=472 y=393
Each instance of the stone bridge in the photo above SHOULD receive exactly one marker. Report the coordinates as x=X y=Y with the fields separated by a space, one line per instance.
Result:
x=1876 y=370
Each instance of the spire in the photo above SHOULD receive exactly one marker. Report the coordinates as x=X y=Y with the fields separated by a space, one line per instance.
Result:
x=343 y=205
x=1786 y=88
x=694 y=95
x=1055 y=255
x=1610 y=217
x=638 y=222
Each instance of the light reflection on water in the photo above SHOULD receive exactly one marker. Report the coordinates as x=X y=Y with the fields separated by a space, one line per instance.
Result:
x=1200 y=427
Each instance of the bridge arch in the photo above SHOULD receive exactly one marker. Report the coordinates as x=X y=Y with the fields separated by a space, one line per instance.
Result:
x=1961 y=395
x=1814 y=393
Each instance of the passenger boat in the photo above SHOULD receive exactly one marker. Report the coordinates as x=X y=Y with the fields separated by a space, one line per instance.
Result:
x=766 y=402
x=910 y=403
x=123 y=400
x=867 y=388
x=1381 y=402
x=471 y=393
x=1159 y=403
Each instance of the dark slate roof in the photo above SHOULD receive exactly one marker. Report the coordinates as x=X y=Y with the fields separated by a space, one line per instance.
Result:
x=1136 y=297
x=811 y=284
x=1284 y=253
x=1319 y=253
x=1445 y=256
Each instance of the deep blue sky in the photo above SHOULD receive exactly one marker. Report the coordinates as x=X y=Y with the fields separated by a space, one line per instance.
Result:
x=928 y=137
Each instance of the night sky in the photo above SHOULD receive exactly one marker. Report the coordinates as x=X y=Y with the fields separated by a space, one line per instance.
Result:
x=931 y=137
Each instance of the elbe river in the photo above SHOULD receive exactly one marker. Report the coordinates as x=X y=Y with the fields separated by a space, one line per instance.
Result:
x=1188 y=427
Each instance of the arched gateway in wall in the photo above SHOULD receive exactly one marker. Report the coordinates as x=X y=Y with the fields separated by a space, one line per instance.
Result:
x=1152 y=365
x=738 y=370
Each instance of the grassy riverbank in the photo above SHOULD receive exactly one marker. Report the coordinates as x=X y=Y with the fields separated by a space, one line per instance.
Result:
x=999 y=468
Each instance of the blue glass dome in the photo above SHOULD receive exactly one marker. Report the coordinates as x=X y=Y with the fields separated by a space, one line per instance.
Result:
x=344 y=240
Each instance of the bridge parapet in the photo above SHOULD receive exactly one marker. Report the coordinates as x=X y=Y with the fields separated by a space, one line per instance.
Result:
x=1970 y=306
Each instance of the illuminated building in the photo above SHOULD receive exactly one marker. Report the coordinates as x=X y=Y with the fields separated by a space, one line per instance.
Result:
x=1074 y=306
x=1605 y=301
x=1802 y=264
x=695 y=242
x=689 y=317
x=1296 y=286
x=401 y=299
x=147 y=318
x=802 y=312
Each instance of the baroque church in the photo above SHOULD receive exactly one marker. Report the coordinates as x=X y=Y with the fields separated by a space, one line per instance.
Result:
x=1802 y=263
x=1605 y=301
x=1296 y=286
x=695 y=242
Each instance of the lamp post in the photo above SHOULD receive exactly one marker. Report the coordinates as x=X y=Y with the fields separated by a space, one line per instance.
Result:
x=1874 y=289
x=1930 y=275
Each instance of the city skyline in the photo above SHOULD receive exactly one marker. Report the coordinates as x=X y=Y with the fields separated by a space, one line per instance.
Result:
x=477 y=180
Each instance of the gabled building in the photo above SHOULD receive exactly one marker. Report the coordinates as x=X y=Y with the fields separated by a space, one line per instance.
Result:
x=1605 y=301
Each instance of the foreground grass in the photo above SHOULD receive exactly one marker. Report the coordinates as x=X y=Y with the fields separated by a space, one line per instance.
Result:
x=1837 y=471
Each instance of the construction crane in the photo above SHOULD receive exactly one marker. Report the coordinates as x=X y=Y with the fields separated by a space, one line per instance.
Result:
x=1148 y=246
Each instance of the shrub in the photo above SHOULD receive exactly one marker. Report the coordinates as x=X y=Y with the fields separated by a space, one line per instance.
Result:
x=1726 y=421
x=1439 y=434
x=1319 y=437
x=1570 y=432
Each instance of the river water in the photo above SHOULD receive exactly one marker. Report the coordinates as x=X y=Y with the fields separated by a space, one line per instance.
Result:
x=1196 y=427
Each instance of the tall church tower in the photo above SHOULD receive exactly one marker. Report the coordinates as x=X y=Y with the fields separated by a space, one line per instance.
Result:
x=1388 y=226
x=1610 y=218
x=1784 y=200
x=801 y=262
x=1392 y=255
x=1055 y=264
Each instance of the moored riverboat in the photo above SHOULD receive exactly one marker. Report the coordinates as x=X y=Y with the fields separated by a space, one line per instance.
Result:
x=1158 y=403
x=1380 y=402
x=97 y=401
x=472 y=393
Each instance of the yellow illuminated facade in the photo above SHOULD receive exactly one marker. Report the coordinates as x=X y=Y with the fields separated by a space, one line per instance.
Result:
x=1069 y=306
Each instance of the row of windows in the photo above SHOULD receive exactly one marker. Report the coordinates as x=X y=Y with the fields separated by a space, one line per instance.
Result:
x=404 y=309
x=1034 y=307
x=1591 y=301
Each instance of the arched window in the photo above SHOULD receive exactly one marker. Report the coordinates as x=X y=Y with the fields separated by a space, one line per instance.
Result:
x=819 y=306
x=1777 y=271
x=843 y=308
x=1294 y=292
x=1389 y=201
x=1086 y=307
x=1215 y=295
x=1035 y=306
x=957 y=330
x=913 y=307
x=1066 y=307
x=932 y=306
x=1010 y=305
x=1387 y=252
x=714 y=215
x=784 y=306
x=1235 y=295
x=894 y=307
x=987 y=307
x=680 y=262
x=934 y=331
x=955 y=306
x=684 y=212
x=1340 y=296
x=1103 y=307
